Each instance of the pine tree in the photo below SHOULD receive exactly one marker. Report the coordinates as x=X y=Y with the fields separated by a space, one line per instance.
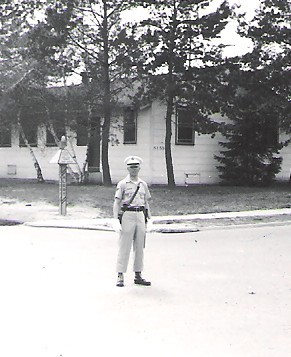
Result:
x=270 y=32
x=258 y=99
x=251 y=154
x=181 y=59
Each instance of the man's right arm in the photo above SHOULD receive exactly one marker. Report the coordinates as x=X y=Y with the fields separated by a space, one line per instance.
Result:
x=116 y=207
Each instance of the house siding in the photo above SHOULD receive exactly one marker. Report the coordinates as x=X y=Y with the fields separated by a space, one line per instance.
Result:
x=193 y=164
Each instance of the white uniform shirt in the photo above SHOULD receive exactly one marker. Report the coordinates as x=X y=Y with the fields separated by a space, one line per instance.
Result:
x=125 y=190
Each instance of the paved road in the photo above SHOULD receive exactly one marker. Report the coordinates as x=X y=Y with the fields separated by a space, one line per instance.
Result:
x=218 y=293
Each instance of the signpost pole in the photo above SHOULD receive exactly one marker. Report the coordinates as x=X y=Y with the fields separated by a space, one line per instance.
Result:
x=63 y=182
x=63 y=189
x=63 y=158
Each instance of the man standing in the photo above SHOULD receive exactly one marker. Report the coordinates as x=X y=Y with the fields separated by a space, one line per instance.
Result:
x=131 y=201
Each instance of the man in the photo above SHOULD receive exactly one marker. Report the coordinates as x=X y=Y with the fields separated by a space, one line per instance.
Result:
x=131 y=199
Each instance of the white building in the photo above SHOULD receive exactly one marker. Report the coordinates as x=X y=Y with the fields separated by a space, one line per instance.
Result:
x=143 y=135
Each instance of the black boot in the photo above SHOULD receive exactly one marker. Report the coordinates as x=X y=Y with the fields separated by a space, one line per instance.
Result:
x=120 y=280
x=140 y=281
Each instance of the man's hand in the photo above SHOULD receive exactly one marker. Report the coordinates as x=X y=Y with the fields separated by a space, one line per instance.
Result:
x=116 y=225
x=149 y=226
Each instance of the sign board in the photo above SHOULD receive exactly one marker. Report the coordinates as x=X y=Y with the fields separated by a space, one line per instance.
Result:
x=66 y=157
x=62 y=157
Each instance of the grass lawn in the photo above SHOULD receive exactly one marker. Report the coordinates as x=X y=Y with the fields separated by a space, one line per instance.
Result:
x=165 y=201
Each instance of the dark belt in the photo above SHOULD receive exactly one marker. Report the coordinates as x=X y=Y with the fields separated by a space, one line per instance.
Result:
x=133 y=209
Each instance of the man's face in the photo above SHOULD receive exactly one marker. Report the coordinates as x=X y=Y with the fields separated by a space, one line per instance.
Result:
x=133 y=169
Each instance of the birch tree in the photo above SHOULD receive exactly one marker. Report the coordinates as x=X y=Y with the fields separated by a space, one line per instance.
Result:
x=107 y=51
x=15 y=69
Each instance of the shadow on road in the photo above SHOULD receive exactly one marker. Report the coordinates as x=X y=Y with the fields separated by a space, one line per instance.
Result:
x=6 y=222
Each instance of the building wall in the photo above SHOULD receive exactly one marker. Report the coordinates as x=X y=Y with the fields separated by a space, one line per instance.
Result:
x=117 y=153
x=193 y=164
x=16 y=162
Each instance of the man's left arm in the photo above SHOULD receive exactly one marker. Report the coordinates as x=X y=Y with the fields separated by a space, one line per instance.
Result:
x=147 y=205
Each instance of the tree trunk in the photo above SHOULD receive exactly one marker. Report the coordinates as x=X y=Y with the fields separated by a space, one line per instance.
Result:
x=106 y=105
x=170 y=104
x=169 y=112
x=105 y=161
x=51 y=128
x=34 y=159
x=168 y=148
x=86 y=162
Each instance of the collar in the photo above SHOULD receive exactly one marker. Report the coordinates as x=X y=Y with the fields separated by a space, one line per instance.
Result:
x=128 y=179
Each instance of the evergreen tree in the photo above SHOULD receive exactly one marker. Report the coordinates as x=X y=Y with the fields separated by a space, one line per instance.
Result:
x=252 y=139
x=105 y=51
x=181 y=59
x=270 y=32
x=258 y=100
x=14 y=24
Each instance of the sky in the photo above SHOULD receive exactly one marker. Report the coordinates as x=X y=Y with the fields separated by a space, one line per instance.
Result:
x=236 y=45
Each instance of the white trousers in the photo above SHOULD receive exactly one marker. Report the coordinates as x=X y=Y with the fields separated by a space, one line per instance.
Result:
x=132 y=235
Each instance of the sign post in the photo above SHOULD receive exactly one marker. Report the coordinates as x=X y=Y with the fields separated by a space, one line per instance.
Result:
x=62 y=181
x=63 y=189
x=63 y=158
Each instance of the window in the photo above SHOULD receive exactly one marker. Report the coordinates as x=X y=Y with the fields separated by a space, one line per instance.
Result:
x=129 y=126
x=5 y=137
x=82 y=131
x=31 y=136
x=50 y=139
x=82 y=134
x=184 y=128
x=94 y=144
x=59 y=129
x=29 y=124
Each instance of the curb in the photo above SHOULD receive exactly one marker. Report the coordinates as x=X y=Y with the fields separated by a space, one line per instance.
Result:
x=164 y=224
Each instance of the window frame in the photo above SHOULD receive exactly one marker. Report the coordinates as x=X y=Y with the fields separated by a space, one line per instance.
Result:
x=182 y=126
x=5 y=137
x=59 y=127
x=126 y=123
x=82 y=132
x=49 y=135
x=30 y=133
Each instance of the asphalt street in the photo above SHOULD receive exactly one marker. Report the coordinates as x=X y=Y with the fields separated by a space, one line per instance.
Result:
x=217 y=293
